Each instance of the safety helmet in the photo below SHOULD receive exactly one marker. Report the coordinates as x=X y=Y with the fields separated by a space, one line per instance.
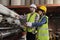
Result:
x=33 y=5
x=43 y=8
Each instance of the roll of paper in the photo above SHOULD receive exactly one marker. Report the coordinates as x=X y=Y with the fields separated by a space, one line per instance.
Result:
x=4 y=2
x=37 y=2
x=49 y=1
x=56 y=1
x=15 y=2
x=22 y=2
x=42 y=1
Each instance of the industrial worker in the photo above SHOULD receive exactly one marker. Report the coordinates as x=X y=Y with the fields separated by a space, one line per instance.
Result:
x=42 y=24
x=32 y=17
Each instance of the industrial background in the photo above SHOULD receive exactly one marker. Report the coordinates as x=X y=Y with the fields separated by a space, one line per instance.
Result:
x=22 y=7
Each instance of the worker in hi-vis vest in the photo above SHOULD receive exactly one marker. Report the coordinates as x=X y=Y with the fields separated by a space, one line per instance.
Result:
x=32 y=17
x=41 y=25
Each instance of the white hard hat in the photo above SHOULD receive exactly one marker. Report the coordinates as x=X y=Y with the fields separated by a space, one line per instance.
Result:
x=33 y=5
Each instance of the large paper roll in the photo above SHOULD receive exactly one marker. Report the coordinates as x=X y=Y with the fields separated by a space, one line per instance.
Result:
x=22 y=2
x=4 y=2
x=56 y=1
x=15 y=2
x=49 y=1
x=37 y=2
x=27 y=2
x=42 y=1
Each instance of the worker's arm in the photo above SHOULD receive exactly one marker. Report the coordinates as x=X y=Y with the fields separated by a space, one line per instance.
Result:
x=36 y=24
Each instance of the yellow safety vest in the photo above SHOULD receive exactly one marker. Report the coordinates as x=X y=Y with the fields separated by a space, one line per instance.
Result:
x=31 y=18
x=42 y=31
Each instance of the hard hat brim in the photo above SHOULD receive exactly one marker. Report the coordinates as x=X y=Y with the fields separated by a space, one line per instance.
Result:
x=40 y=10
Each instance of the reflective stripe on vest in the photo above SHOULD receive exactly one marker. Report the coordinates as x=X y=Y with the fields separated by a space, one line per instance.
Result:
x=43 y=29
x=43 y=34
x=31 y=19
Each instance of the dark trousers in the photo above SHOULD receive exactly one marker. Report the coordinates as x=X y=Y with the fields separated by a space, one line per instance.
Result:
x=30 y=36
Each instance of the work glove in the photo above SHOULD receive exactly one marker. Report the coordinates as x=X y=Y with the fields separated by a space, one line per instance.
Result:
x=29 y=24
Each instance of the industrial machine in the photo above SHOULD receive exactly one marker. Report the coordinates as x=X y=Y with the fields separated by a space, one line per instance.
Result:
x=9 y=24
